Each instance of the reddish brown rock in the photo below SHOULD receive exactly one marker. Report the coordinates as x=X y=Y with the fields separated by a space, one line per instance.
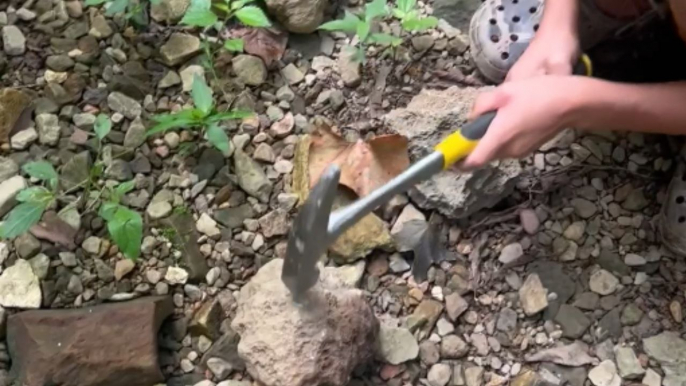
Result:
x=108 y=345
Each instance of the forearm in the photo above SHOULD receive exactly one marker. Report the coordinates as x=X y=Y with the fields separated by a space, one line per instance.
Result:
x=560 y=15
x=649 y=108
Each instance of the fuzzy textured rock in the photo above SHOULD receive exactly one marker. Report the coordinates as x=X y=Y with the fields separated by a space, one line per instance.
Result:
x=319 y=343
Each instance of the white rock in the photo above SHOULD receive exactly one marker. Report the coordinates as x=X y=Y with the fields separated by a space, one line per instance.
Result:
x=603 y=282
x=188 y=74
x=605 y=374
x=634 y=260
x=13 y=40
x=206 y=225
x=533 y=296
x=20 y=287
x=510 y=253
x=8 y=190
x=48 y=129
x=176 y=276
x=652 y=378
x=24 y=138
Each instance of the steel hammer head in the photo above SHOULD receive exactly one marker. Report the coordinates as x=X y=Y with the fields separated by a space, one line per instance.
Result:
x=309 y=235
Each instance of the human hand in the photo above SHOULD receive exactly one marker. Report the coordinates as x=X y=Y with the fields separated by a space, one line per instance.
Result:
x=530 y=112
x=551 y=52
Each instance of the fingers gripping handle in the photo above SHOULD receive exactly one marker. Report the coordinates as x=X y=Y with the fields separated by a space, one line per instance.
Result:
x=460 y=143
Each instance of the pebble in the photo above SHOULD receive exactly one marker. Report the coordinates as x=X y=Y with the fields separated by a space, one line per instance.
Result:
x=605 y=374
x=628 y=364
x=206 y=225
x=439 y=374
x=603 y=282
x=68 y=259
x=511 y=253
x=159 y=209
x=533 y=296
x=176 y=276
x=634 y=260
x=14 y=42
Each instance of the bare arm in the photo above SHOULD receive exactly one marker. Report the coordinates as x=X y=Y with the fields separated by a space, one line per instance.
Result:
x=649 y=108
x=560 y=15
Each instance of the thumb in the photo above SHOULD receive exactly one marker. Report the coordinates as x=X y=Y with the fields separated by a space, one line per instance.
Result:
x=488 y=147
x=487 y=101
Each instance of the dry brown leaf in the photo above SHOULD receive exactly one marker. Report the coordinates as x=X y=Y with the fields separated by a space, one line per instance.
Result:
x=364 y=165
x=268 y=44
x=53 y=228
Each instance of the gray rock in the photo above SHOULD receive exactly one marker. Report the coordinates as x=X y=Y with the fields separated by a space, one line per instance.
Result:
x=264 y=153
x=251 y=177
x=219 y=367
x=170 y=79
x=8 y=191
x=179 y=48
x=68 y=259
x=456 y=12
x=104 y=271
x=342 y=333
x=584 y=208
x=603 y=282
x=453 y=347
x=250 y=69
x=8 y=168
x=429 y=118
x=507 y=320
x=587 y=301
x=652 y=378
x=396 y=345
x=119 y=170
x=75 y=286
x=511 y=253
x=349 y=67
x=439 y=374
x=176 y=275
x=610 y=326
x=292 y=74
x=533 y=296
x=84 y=120
x=26 y=245
x=473 y=376
x=628 y=364
x=188 y=75
x=669 y=349
x=100 y=28
x=635 y=201
x=124 y=105
x=40 y=265
x=299 y=16
x=398 y=264
x=634 y=260
x=13 y=40
x=573 y=322
x=169 y=10
x=408 y=228
x=48 y=129
x=158 y=209
x=422 y=42
x=631 y=315
x=455 y=305
x=75 y=171
x=59 y=63
x=274 y=223
x=135 y=134
x=234 y=217
x=20 y=287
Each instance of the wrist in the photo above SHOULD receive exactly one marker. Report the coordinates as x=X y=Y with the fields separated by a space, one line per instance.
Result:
x=579 y=102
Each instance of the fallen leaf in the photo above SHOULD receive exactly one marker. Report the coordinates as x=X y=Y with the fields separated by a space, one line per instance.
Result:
x=364 y=165
x=575 y=354
x=268 y=44
x=54 y=229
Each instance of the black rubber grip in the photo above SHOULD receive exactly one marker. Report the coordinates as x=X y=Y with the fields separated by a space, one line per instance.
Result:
x=477 y=128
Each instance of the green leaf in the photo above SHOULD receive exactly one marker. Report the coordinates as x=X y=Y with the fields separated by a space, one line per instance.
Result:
x=202 y=95
x=41 y=170
x=386 y=39
x=253 y=16
x=125 y=187
x=36 y=194
x=165 y=122
x=126 y=229
x=155 y=2
x=199 y=14
x=102 y=126
x=363 y=30
x=217 y=137
x=107 y=210
x=375 y=9
x=94 y=2
x=400 y=14
x=406 y=5
x=420 y=24
x=346 y=24
x=359 y=55
x=115 y=7
x=21 y=219
x=229 y=115
x=239 y=4
x=234 y=45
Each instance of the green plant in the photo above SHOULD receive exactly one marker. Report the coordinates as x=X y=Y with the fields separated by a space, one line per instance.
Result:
x=200 y=13
x=124 y=225
x=131 y=9
x=203 y=116
x=360 y=26
x=405 y=11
